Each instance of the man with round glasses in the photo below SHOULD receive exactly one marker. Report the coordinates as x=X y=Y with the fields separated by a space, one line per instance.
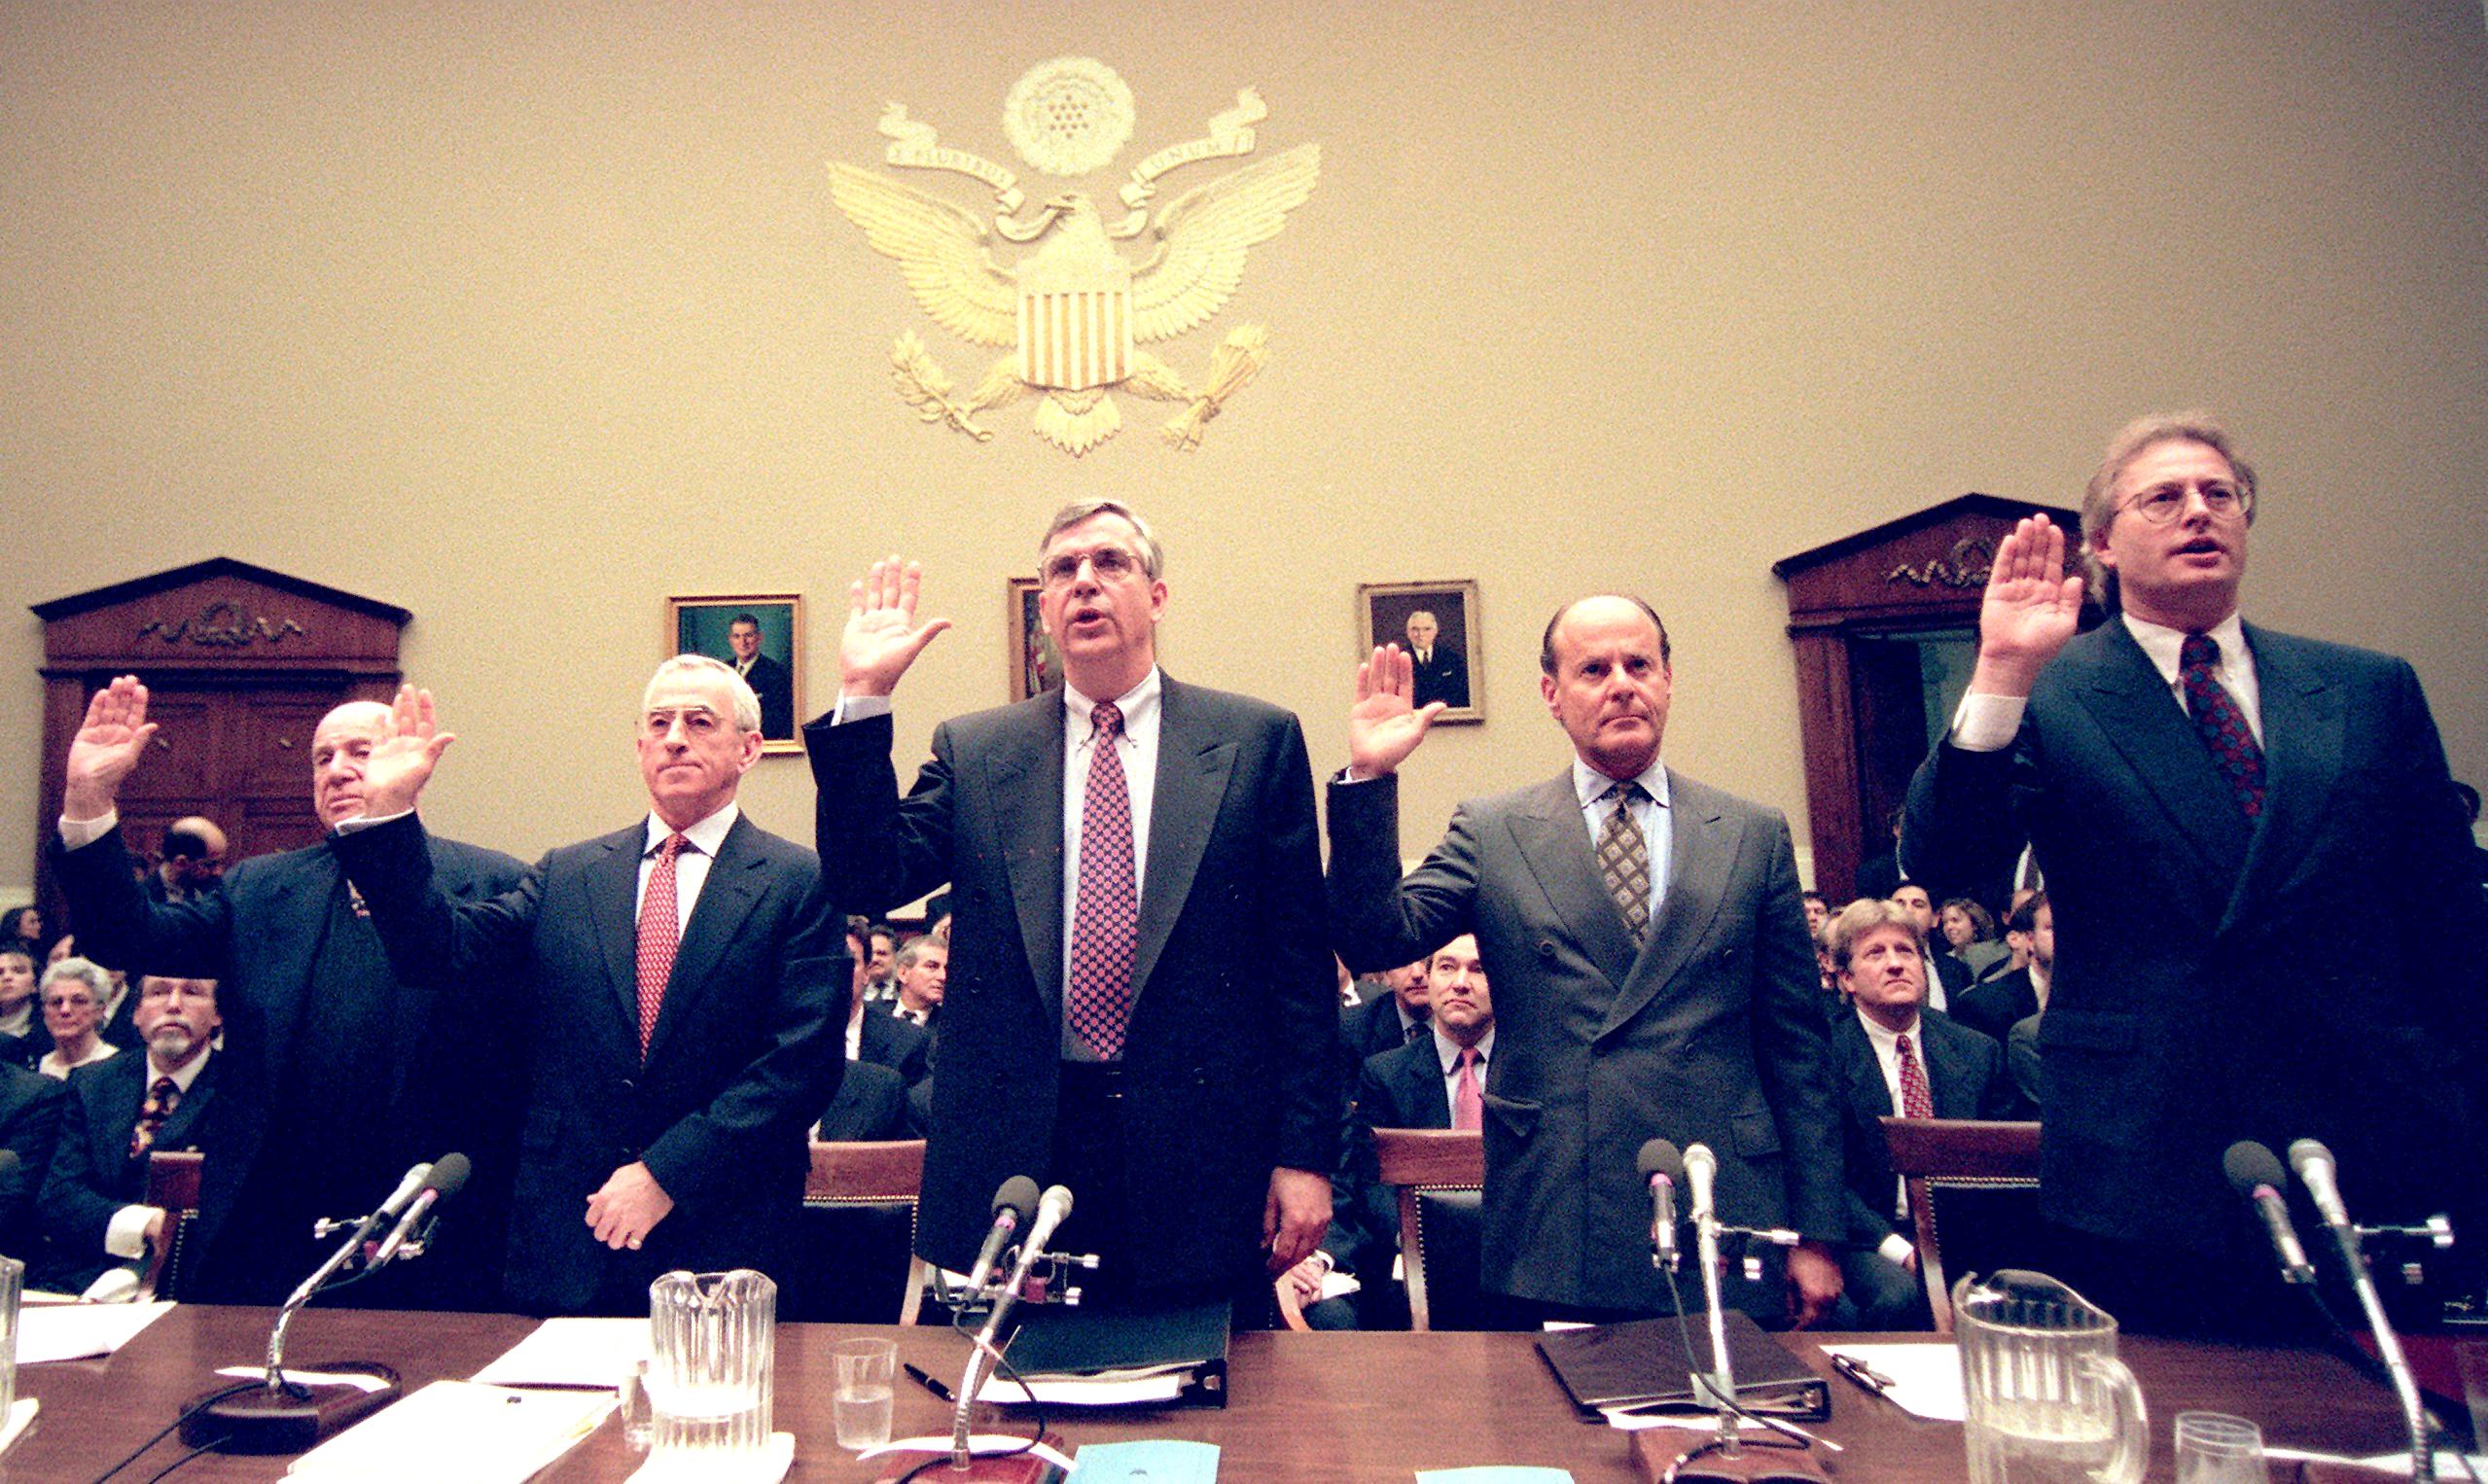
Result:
x=2254 y=859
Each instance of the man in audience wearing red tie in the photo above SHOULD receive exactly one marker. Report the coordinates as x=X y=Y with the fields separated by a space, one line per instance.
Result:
x=2254 y=859
x=1140 y=1004
x=1648 y=953
x=94 y=1215
x=1891 y=1059
x=683 y=985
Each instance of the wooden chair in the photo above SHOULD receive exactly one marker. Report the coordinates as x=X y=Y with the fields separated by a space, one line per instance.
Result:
x=1440 y=1173
x=172 y=1185
x=876 y=1179
x=1981 y=1176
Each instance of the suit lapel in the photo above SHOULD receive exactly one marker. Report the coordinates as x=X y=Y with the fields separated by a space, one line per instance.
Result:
x=612 y=896
x=187 y=1113
x=2141 y=717
x=1701 y=855
x=1191 y=779
x=1027 y=784
x=1868 y=1098
x=726 y=898
x=1547 y=830
x=305 y=893
x=2304 y=722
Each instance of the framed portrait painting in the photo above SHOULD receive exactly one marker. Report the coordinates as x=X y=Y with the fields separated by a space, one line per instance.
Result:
x=1033 y=662
x=1437 y=624
x=761 y=636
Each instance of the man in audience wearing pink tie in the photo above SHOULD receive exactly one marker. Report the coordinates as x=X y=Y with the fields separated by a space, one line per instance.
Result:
x=683 y=984
x=1140 y=1004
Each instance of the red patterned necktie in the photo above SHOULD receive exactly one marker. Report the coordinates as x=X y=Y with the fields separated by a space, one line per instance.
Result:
x=1107 y=918
x=2222 y=722
x=1915 y=1101
x=158 y=1106
x=1468 y=1099
x=661 y=933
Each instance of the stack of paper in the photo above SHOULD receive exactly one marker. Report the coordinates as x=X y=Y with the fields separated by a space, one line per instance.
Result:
x=457 y=1430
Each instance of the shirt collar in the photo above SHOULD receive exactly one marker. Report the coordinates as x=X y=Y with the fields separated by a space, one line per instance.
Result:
x=188 y=1074
x=2165 y=643
x=1884 y=1040
x=705 y=836
x=1138 y=705
x=1592 y=785
x=1447 y=1050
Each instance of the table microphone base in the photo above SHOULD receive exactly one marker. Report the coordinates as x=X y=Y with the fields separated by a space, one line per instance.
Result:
x=1660 y=1450
x=257 y=1420
x=1008 y=1469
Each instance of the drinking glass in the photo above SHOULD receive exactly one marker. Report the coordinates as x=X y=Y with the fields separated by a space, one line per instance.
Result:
x=2216 y=1448
x=863 y=1375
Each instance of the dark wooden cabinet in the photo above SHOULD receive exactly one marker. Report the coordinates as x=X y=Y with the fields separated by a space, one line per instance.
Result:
x=240 y=664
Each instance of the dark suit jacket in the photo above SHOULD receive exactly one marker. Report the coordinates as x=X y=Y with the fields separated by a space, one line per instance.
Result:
x=91 y=1174
x=1711 y=1032
x=746 y=1050
x=2219 y=980
x=871 y=1104
x=1231 y=1061
x=774 y=683
x=1965 y=1078
x=260 y=939
x=1398 y=1088
x=1444 y=677
x=900 y=1044
x=31 y=1110
x=1991 y=1008
x=1369 y=1030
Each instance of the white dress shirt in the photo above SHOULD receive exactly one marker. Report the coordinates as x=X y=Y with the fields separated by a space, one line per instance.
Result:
x=1988 y=723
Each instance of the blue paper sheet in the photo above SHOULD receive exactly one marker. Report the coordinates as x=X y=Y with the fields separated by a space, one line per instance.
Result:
x=1151 y=1460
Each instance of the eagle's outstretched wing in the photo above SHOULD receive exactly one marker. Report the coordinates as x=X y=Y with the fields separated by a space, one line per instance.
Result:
x=1203 y=237
x=940 y=247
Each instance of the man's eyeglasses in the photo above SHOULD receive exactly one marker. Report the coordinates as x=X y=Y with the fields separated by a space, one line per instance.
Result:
x=2162 y=504
x=1110 y=563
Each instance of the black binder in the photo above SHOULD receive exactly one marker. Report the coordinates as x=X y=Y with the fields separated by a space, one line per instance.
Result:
x=1054 y=1343
x=1640 y=1364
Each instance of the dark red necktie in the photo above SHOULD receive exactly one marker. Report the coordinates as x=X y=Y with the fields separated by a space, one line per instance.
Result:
x=2222 y=723
x=1915 y=1101
x=1108 y=916
x=661 y=933
x=158 y=1106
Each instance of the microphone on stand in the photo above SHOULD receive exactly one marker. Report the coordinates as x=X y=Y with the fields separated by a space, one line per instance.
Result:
x=2316 y=1168
x=1660 y=1164
x=448 y=1178
x=1051 y=1208
x=2255 y=1172
x=1012 y=1205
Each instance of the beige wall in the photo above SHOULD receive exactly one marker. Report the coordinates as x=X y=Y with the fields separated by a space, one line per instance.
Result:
x=526 y=316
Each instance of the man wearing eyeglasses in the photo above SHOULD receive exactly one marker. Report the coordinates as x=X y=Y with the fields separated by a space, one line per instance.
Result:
x=2253 y=858
x=1140 y=1003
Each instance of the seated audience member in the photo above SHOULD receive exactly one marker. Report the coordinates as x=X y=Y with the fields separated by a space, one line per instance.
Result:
x=193 y=864
x=1388 y=1021
x=2020 y=994
x=116 y=1115
x=22 y=1039
x=74 y=993
x=1970 y=935
x=1947 y=975
x=922 y=967
x=871 y=1104
x=880 y=968
x=1438 y=1081
x=25 y=925
x=30 y=1109
x=1891 y=1059
x=2022 y=1058
x=872 y=1034
x=1818 y=912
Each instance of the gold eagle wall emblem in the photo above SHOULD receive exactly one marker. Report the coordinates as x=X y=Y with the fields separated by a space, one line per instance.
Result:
x=1074 y=310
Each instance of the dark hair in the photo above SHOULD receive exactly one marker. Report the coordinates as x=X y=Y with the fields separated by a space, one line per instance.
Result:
x=1547 y=640
x=2025 y=917
x=743 y=618
x=1982 y=923
x=12 y=924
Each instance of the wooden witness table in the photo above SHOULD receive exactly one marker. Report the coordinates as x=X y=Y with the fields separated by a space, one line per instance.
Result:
x=1317 y=1407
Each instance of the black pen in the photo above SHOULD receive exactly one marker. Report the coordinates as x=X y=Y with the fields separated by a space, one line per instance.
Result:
x=931 y=1385
x=1865 y=1375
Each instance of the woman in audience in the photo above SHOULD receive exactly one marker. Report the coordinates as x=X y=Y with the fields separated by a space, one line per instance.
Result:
x=74 y=994
x=24 y=924
x=1971 y=931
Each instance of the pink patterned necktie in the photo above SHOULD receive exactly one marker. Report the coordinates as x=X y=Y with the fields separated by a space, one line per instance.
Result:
x=661 y=933
x=1915 y=1101
x=1107 y=920
x=2222 y=722
x=1468 y=1099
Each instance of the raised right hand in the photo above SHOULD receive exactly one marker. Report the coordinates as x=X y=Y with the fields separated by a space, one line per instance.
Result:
x=107 y=748
x=2029 y=611
x=882 y=637
x=401 y=763
x=1385 y=725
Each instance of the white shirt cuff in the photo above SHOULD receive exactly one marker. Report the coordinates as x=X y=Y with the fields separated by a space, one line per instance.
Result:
x=1987 y=723
x=126 y=1235
x=858 y=708
x=78 y=833
x=1895 y=1249
x=368 y=821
